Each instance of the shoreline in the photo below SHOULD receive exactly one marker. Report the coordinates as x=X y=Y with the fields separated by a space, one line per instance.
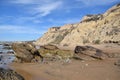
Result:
x=76 y=69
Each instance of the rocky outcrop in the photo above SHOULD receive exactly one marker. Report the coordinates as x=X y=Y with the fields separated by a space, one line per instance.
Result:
x=53 y=53
x=89 y=53
x=53 y=29
x=8 y=74
x=25 y=52
x=101 y=28
x=89 y=18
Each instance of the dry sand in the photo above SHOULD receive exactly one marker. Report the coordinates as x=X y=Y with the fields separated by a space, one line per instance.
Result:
x=75 y=70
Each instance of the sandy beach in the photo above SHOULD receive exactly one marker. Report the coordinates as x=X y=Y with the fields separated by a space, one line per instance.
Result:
x=75 y=70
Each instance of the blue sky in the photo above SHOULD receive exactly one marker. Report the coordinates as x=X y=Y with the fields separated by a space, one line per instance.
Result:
x=29 y=19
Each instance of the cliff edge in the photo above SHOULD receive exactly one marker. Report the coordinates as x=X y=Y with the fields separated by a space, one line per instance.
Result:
x=99 y=28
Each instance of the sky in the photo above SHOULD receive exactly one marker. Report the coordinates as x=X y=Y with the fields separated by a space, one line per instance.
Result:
x=22 y=20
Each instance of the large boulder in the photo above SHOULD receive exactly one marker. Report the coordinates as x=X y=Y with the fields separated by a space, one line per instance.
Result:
x=51 y=52
x=89 y=52
x=8 y=74
x=25 y=52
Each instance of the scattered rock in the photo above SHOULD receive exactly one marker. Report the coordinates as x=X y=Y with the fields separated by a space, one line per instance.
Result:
x=1 y=57
x=10 y=52
x=7 y=47
x=5 y=44
x=118 y=63
x=1 y=52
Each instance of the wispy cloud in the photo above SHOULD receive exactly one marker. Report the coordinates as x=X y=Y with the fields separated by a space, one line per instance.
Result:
x=36 y=10
x=39 y=7
x=19 y=29
x=46 y=9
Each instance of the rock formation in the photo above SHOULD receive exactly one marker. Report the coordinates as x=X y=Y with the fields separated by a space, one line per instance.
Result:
x=8 y=74
x=27 y=52
x=52 y=53
x=101 y=28
x=89 y=53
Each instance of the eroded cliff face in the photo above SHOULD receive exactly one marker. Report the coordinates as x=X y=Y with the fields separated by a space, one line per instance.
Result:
x=55 y=34
x=99 y=28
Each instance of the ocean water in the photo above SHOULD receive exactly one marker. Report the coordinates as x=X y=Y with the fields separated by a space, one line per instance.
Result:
x=5 y=57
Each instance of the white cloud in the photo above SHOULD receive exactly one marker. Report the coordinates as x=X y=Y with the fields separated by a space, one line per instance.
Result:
x=19 y=29
x=39 y=7
x=46 y=9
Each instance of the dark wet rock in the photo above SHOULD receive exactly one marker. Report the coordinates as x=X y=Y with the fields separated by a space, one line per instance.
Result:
x=7 y=47
x=1 y=52
x=8 y=74
x=89 y=53
x=5 y=44
x=10 y=52
x=1 y=57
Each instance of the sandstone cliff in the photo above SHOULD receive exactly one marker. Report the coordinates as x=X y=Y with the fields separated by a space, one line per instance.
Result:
x=100 y=28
